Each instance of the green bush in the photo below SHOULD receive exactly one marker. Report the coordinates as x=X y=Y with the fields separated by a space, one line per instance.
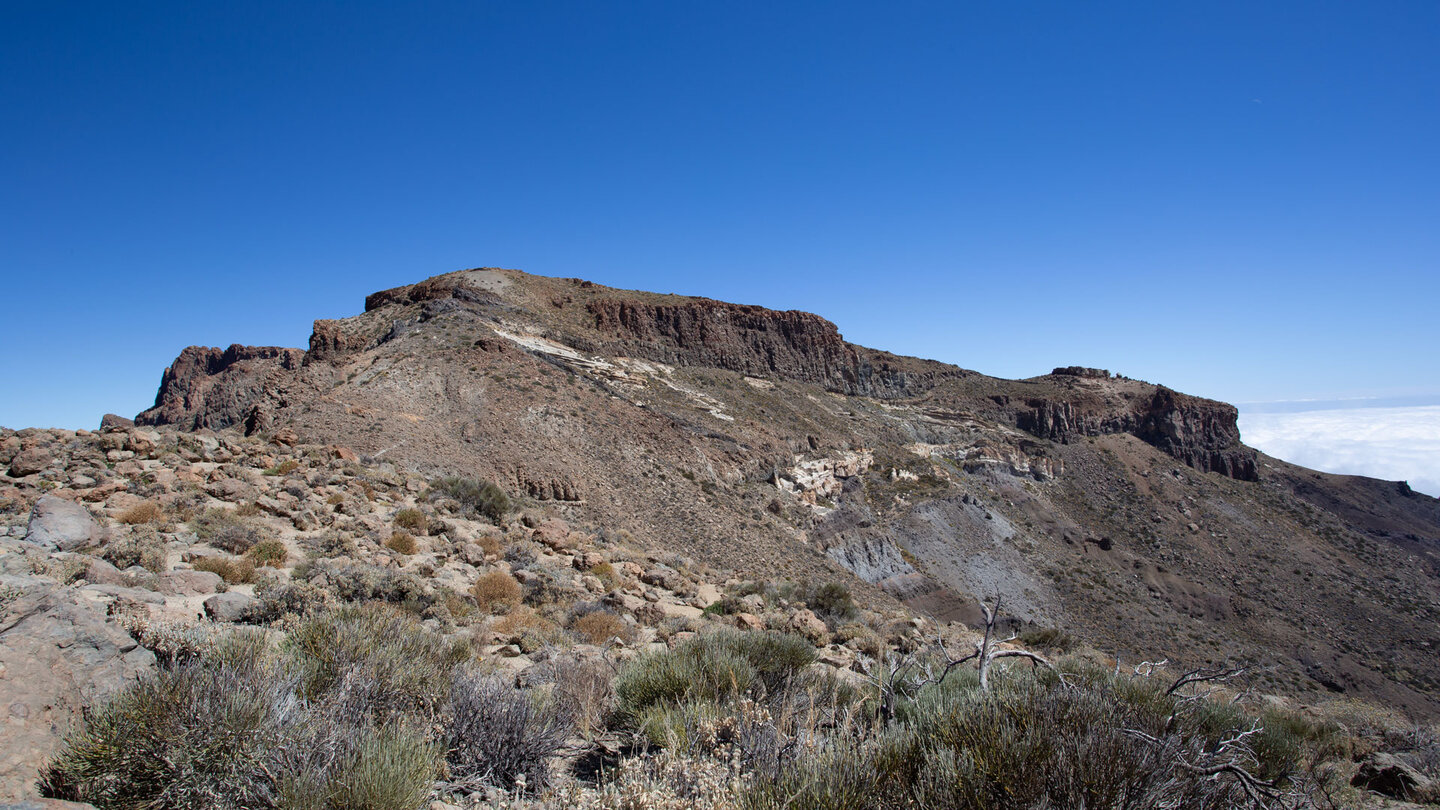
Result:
x=268 y=552
x=380 y=655
x=714 y=667
x=1032 y=741
x=832 y=601
x=411 y=520
x=485 y=498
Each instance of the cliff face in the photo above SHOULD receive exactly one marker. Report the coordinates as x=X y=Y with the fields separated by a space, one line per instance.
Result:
x=755 y=341
x=214 y=388
x=1200 y=432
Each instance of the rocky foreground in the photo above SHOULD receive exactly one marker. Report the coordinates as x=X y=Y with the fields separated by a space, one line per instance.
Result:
x=116 y=543
x=129 y=551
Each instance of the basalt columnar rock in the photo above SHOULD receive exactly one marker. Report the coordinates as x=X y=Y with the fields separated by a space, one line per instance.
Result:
x=1122 y=510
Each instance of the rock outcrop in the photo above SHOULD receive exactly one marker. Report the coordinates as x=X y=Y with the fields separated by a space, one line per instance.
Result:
x=58 y=653
x=214 y=388
x=1200 y=432
x=755 y=341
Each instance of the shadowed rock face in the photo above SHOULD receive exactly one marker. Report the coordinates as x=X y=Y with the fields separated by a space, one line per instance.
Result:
x=216 y=388
x=1200 y=432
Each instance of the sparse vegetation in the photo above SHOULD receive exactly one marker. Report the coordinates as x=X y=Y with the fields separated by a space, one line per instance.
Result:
x=496 y=592
x=485 y=499
x=402 y=543
x=143 y=512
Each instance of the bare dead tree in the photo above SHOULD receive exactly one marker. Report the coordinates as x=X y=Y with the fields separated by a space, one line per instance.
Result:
x=1205 y=675
x=895 y=675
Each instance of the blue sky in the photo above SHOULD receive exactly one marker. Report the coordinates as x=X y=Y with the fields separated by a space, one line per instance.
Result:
x=1239 y=200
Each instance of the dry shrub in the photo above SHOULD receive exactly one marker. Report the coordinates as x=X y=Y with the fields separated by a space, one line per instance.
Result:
x=607 y=575
x=584 y=688
x=490 y=544
x=411 y=519
x=402 y=543
x=234 y=570
x=600 y=626
x=229 y=531
x=248 y=509
x=143 y=547
x=496 y=592
x=283 y=468
x=335 y=499
x=268 y=552
x=528 y=629
x=144 y=512
x=496 y=734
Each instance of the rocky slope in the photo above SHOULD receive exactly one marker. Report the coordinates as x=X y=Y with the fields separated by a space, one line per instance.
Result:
x=761 y=441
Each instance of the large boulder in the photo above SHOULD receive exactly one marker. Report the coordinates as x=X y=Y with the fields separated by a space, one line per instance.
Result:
x=29 y=462
x=56 y=523
x=58 y=653
x=1388 y=775
x=228 y=607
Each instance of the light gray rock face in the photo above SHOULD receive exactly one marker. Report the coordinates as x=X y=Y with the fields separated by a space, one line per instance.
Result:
x=228 y=607
x=187 y=583
x=56 y=523
x=58 y=653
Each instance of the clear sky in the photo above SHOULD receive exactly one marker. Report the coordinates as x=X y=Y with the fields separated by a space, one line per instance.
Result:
x=1237 y=199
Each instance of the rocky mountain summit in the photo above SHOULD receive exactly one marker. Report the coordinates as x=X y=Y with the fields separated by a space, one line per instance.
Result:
x=667 y=463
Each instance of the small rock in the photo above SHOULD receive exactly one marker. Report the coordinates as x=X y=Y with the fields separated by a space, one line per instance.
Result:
x=229 y=489
x=749 y=621
x=807 y=624
x=110 y=423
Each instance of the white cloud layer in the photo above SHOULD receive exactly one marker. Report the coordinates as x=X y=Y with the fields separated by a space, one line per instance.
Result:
x=1396 y=444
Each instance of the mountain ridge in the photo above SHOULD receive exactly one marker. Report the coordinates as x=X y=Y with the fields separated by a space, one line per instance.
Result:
x=763 y=440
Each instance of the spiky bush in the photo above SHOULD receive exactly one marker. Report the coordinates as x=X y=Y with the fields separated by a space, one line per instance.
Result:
x=242 y=726
x=495 y=733
x=200 y=735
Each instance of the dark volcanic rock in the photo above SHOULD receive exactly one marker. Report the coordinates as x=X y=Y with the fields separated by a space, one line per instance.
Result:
x=1200 y=432
x=215 y=388
x=756 y=341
